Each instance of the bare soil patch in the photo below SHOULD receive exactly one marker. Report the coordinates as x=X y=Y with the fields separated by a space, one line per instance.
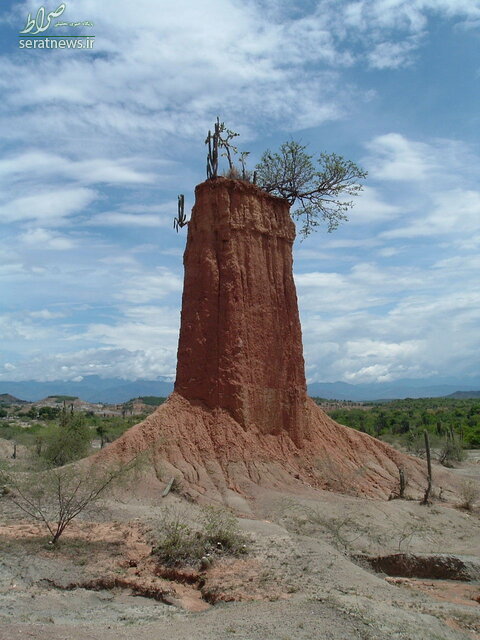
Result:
x=299 y=580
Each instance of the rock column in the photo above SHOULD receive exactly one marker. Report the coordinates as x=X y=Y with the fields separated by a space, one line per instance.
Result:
x=240 y=346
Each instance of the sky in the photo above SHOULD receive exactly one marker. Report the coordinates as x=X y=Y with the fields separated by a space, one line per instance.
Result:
x=97 y=143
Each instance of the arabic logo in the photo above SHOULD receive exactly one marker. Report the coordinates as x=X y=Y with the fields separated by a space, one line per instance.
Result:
x=41 y=22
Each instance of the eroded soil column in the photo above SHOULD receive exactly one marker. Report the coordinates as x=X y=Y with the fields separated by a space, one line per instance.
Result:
x=240 y=344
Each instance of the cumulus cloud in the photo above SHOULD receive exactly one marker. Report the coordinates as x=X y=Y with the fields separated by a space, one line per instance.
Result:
x=145 y=288
x=178 y=75
x=20 y=329
x=279 y=67
x=370 y=207
x=104 y=362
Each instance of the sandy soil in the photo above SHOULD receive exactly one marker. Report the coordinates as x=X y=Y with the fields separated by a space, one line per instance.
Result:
x=300 y=579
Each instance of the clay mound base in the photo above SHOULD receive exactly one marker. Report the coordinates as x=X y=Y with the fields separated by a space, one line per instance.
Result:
x=212 y=456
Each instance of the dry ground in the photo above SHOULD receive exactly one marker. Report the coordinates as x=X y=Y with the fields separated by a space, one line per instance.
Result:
x=300 y=581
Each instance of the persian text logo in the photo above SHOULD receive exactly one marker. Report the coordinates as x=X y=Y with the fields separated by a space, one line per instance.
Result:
x=35 y=27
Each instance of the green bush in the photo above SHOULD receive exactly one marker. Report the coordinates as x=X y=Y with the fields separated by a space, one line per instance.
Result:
x=410 y=416
x=60 y=444
x=48 y=413
x=221 y=532
x=180 y=544
x=472 y=437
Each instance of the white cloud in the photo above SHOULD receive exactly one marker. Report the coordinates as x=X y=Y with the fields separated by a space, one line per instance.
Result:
x=394 y=157
x=46 y=314
x=126 y=261
x=53 y=166
x=11 y=268
x=453 y=213
x=165 y=76
x=144 y=288
x=160 y=75
x=310 y=254
x=21 y=329
x=105 y=362
x=127 y=114
x=323 y=292
x=388 y=252
x=46 y=239
x=411 y=16
x=392 y=55
x=131 y=219
x=370 y=208
x=368 y=348
x=380 y=323
x=48 y=207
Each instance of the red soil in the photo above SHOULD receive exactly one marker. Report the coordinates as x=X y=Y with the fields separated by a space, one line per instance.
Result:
x=239 y=416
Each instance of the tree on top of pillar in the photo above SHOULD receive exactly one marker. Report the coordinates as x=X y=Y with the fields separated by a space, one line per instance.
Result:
x=318 y=187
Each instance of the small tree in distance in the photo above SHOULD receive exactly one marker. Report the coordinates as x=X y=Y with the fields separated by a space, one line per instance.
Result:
x=319 y=189
x=65 y=442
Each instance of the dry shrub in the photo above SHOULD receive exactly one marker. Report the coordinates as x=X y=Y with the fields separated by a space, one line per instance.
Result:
x=336 y=478
x=56 y=496
x=470 y=492
x=181 y=544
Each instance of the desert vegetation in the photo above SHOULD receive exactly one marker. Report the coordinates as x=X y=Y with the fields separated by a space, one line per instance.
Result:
x=215 y=534
x=55 y=496
x=60 y=434
x=316 y=188
x=453 y=424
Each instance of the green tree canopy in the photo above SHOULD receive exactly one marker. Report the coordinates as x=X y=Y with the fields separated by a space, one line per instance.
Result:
x=318 y=188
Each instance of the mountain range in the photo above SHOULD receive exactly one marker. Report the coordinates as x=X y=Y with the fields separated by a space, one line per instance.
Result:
x=116 y=390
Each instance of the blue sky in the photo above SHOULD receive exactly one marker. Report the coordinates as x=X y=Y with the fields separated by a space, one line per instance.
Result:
x=96 y=145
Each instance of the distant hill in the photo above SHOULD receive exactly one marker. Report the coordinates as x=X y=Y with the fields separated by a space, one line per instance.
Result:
x=6 y=398
x=117 y=390
x=398 y=389
x=464 y=394
x=91 y=389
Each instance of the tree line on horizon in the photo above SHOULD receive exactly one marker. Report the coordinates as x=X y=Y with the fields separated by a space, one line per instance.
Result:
x=405 y=420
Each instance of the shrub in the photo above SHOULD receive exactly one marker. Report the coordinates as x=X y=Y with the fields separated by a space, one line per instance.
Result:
x=180 y=544
x=48 y=413
x=55 y=497
x=64 y=443
x=470 y=492
x=452 y=451
x=220 y=530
